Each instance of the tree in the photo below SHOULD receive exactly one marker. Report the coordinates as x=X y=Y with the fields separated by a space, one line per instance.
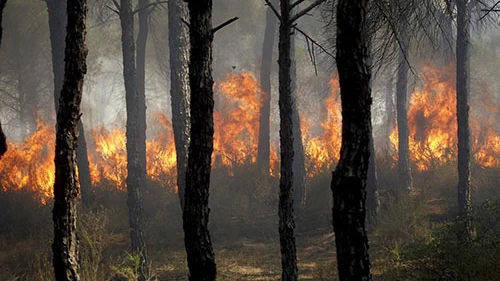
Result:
x=179 y=87
x=463 y=90
x=65 y=246
x=404 y=171
x=3 y=140
x=263 y=149
x=136 y=136
x=349 y=178
x=57 y=23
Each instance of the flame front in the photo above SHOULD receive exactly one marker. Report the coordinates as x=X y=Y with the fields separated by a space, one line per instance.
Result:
x=432 y=122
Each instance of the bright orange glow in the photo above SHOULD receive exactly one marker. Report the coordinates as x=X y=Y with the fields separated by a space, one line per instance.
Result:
x=29 y=165
x=322 y=150
x=433 y=125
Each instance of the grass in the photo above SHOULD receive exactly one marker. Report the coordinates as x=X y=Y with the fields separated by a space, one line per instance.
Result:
x=413 y=240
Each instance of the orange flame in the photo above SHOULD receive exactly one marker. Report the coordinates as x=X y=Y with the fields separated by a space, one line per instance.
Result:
x=433 y=126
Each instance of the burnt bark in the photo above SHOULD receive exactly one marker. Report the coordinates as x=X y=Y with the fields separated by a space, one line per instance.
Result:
x=405 y=180
x=349 y=178
x=200 y=254
x=178 y=38
x=2 y=6
x=57 y=23
x=299 y=168
x=263 y=148
x=463 y=92
x=65 y=246
x=136 y=147
x=285 y=212
x=3 y=140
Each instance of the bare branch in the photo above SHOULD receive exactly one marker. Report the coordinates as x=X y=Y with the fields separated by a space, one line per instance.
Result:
x=153 y=5
x=222 y=25
x=313 y=42
x=111 y=8
x=185 y=22
x=298 y=2
x=306 y=10
x=273 y=9
x=117 y=6
x=488 y=11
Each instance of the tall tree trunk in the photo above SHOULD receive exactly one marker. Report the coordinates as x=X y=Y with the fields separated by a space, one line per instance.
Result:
x=135 y=138
x=200 y=254
x=65 y=246
x=372 y=199
x=264 y=149
x=404 y=171
x=3 y=140
x=285 y=212
x=299 y=168
x=178 y=39
x=57 y=23
x=349 y=178
x=463 y=89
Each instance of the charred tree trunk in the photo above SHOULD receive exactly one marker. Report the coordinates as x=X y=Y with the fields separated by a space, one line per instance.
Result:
x=179 y=87
x=299 y=168
x=349 y=178
x=372 y=199
x=463 y=89
x=286 y=217
x=135 y=136
x=57 y=23
x=3 y=140
x=65 y=246
x=404 y=171
x=200 y=254
x=264 y=149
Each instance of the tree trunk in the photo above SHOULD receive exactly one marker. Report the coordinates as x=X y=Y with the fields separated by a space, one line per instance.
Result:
x=463 y=89
x=3 y=140
x=200 y=255
x=404 y=170
x=264 y=149
x=349 y=178
x=65 y=246
x=135 y=138
x=299 y=168
x=179 y=87
x=57 y=23
x=285 y=212
x=372 y=199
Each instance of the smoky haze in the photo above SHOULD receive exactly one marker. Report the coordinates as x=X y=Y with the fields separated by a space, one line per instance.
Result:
x=409 y=231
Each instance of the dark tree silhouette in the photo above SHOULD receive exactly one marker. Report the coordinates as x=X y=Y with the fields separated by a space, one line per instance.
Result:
x=463 y=90
x=200 y=255
x=349 y=178
x=3 y=140
x=178 y=40
x=65 y=246
x=264 y=150
x=57 y=23
x=136 y=136
x=404 y=172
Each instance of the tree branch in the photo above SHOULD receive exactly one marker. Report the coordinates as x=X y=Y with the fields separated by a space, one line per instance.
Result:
x=298 y=2
x=149 y=5
x=273 y=9
x=306 y=10
x=224 y=24
x=313 y=42
x=185 y=22
x=111 y=8
x=488 y=11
